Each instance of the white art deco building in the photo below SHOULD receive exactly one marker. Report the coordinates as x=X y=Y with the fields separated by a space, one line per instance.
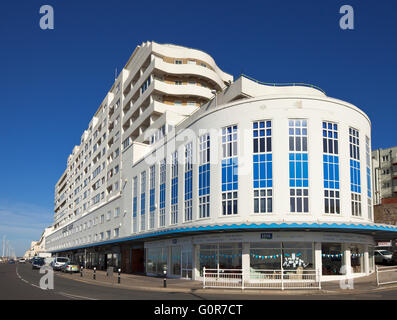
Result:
x=185 y=168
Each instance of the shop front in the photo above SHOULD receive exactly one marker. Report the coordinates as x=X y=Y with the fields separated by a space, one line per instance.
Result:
x=332 y=256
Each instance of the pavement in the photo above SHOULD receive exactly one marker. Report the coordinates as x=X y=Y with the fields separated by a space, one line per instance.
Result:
x=147 y=283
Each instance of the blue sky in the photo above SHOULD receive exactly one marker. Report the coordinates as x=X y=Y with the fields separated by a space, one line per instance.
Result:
x=53 y=81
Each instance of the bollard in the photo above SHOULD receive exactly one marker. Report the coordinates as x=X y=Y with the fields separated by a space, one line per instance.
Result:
x=94 y=273
x=118 y=280
x=81 y=271
x=165 y=278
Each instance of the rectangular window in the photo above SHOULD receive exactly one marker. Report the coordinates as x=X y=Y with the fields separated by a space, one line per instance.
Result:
x=262 y=164
x=135 y=204
x=229 y=171
x=143 y=200
x=369 y=193
x=116 y=212
x=152 y=194
x=298 y=166
x=189 y=182
x=331 y=168
x=204 y=176
x=174 y=188
x=163 y=175
x=355 y=172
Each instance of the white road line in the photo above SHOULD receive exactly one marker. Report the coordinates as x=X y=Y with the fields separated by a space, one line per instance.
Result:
x=60 y=293
x=74 y=296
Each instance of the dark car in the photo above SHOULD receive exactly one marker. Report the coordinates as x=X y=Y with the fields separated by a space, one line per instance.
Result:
x=11 y=261
x=38 y=263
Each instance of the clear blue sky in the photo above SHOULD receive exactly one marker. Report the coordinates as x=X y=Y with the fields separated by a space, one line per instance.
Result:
x=53 y=81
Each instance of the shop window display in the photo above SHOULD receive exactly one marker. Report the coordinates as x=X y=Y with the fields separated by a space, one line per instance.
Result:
x=332 y=259
x=357 y=258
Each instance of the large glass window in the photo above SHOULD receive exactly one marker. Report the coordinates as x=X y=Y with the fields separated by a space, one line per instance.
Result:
x=357 y=258
x=176 y=261
x=174 y=188
x=298 y=255
x=262 y=158
x=220 y=256
x=143 y=200
x=298 y=166
x=355 y=172
x=265 y=256
x=230 y=256
x=208 y=257
x=163 y=174
x=204 y=176
x=188 y=182
x=135 y=204
x=369 y=192
x=331 y=168
x=332 y=259
x=156 y=260
x=229 y=171
x=152 y=192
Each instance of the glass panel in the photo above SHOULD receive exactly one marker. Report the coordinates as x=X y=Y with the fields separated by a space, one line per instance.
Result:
x=230 y=256
x=332 y=258
x=265 y=256
x=357 y=258
x=208 y=257
x=298 y=255
x=176 y=261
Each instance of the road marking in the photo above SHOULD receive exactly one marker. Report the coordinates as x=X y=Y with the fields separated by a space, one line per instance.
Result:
x=74 y=296
x=60 y=293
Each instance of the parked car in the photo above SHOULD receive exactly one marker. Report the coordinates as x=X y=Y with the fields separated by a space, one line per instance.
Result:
x=37 y=263
x=70 y=267
x=11 y=261
x=383 y=256
x=59 y=262
x=22 y=260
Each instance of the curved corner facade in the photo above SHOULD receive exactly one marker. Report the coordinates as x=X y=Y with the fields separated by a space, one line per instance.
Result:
x=249 y=176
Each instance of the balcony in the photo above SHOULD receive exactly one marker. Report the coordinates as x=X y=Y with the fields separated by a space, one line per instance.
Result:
x=194 y=70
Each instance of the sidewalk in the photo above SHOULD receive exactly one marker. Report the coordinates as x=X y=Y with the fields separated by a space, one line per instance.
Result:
x=134 y=281
x=142 y=282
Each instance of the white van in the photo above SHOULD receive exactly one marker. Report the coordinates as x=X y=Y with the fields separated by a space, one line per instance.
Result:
x=59 y=262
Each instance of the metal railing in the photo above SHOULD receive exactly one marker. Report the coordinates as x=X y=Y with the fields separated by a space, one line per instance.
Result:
x=293 y=84
x=386 y=275
x=261 y=279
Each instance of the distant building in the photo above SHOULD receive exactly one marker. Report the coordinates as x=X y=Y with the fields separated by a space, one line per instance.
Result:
x=384 y=166
x=37 y=247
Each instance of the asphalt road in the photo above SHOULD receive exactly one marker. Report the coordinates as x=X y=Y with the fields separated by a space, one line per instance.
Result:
x=20 y=282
